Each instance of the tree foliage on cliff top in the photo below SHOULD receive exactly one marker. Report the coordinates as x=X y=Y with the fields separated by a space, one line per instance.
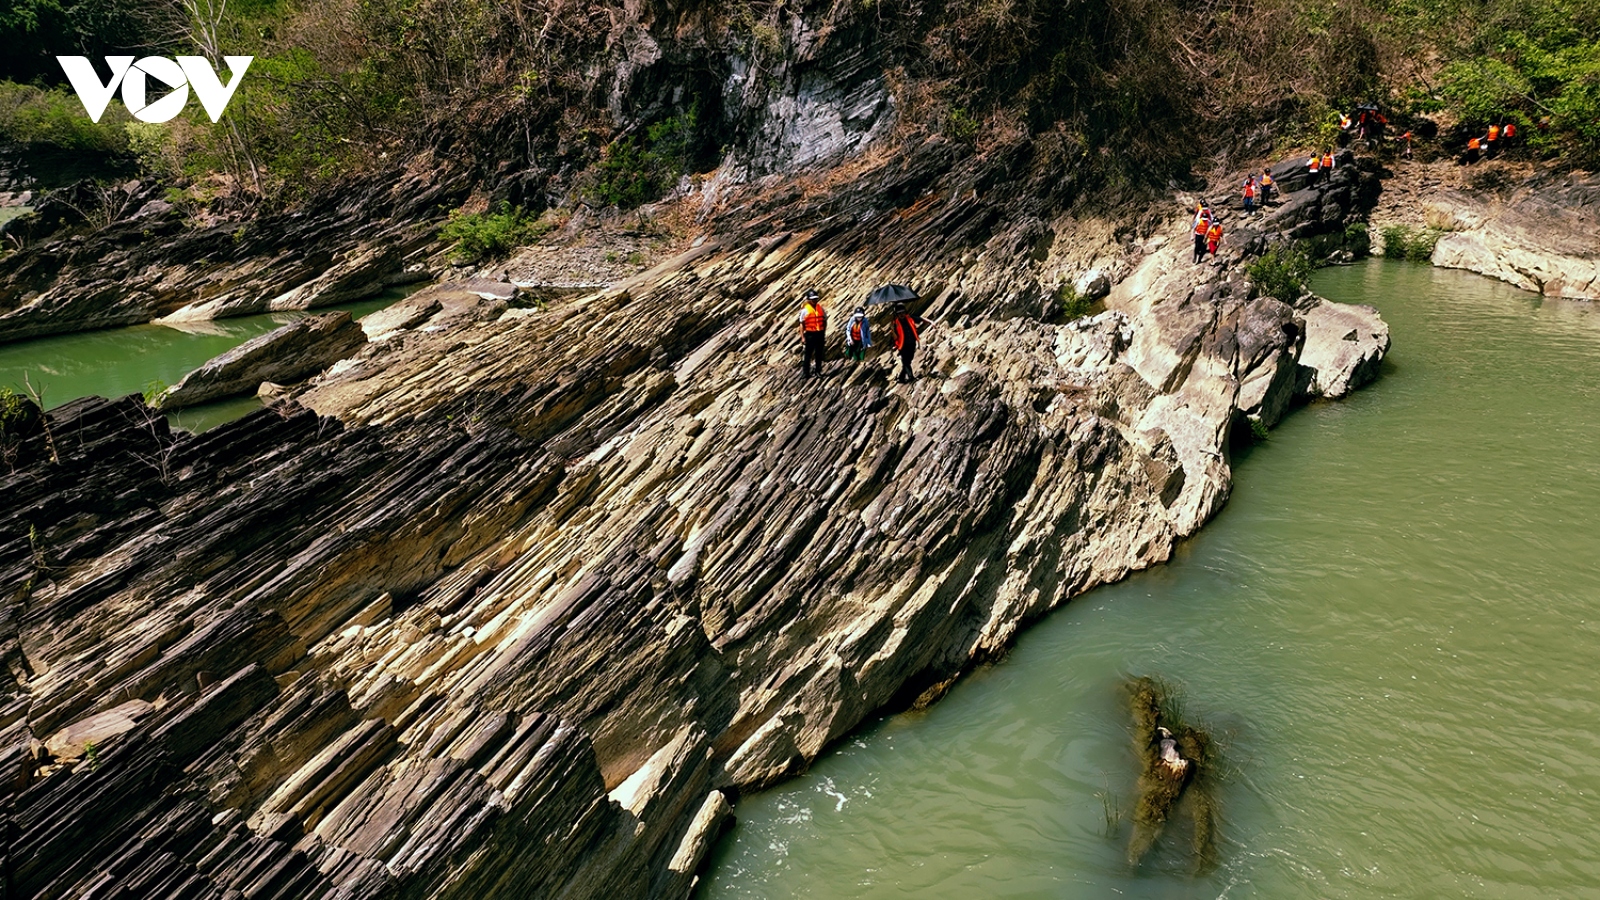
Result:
x=1143 y=87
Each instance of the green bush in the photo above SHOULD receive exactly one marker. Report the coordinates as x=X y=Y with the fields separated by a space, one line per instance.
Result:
x=1281 y=272
x=1073 y=304
x=1405 y=242
x=632 y=173
x=55 y=117
x=493 y=234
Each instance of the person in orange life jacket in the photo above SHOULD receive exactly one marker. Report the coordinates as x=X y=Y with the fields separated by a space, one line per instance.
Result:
x=857 y=335
x=906 y=329
x=1267 y=185
x=1214 y=237
x=814 y=331
x=1510 y=132
x=1327 y=166
x=1314 y=169
x=1250 y=195
x=1491 y=141
x=1202 y=221
x=1473 y=144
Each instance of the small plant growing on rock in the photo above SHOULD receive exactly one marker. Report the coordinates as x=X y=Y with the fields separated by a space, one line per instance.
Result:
x=13 y=413
x=1073 y=305
x=154 y=388
x=493 y=234
x=1413 y=244
x=1281 y=272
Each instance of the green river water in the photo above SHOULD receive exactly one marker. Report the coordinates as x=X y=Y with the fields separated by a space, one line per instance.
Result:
x=115 y=362
x=1391 y=629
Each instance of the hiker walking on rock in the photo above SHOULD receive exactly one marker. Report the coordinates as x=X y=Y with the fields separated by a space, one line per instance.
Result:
x=814 y=331
x=906 y=329
x=1213 y=237
x=1202 y=222
x=1267 y=185
x=857 y=335
x=1249 y=195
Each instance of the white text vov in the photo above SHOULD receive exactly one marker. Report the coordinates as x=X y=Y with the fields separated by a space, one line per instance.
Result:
x=178 y=75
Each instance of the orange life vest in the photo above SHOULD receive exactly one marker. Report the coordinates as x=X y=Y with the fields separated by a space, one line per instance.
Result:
x=1473 y=144
x=1201 y=224
x=1266 y=181
x=901 y=326
x=1494 y=132
x=816 y=319
x=1327 y=160
x=1315 y=164
x=1511 y=130
x=1215 y=234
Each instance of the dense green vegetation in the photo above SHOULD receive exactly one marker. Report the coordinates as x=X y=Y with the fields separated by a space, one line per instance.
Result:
x=54 y=117
x=489 y=235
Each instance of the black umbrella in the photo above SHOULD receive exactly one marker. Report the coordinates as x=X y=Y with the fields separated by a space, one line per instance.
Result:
x=892 y=293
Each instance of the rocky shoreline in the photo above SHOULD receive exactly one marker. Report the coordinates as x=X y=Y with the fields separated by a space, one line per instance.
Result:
x=515 y=602
x=1531 y=228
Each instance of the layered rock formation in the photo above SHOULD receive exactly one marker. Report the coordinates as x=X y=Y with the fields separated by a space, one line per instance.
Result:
x=1534 y=229
x=153 y=264
x=531 y=599
x=297 y=350
x=1538 y=234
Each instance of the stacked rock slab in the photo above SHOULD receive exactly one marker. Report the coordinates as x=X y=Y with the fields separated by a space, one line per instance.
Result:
x=287 y=354
x=531 y=599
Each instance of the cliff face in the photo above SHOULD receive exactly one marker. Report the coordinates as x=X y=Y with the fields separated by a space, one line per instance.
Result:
x=772 y=92
x=531 y=598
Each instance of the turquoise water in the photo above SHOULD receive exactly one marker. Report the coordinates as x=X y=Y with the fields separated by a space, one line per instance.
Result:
x=1391 y=628
x=115 y=362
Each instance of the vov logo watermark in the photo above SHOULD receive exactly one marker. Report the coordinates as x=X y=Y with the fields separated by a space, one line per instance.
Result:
x=177 y=75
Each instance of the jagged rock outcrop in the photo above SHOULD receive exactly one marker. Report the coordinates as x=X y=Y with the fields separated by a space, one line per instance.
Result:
x=1539 y=234
x=285 y=355
x=529 y=597
x=1345 y=344
x=150 y=266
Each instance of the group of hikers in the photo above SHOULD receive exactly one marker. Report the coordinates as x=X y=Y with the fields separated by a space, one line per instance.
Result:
x=857 y=335
x=1491 y=142
x=1207 y=231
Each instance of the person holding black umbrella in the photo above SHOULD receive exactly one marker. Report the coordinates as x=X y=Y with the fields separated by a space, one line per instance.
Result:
x=813 y=331
x=906 y=329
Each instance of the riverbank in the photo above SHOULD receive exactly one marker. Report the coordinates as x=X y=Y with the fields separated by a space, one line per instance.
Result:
x=1368 y=588
x=1518 y=222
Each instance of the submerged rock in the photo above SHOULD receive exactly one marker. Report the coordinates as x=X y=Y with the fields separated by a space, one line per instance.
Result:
x=286 y=355
x=1174 y=758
